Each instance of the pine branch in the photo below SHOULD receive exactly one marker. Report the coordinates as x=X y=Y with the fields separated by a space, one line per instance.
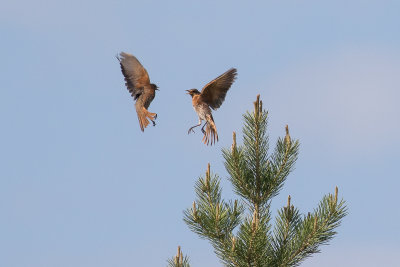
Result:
x=179 y=260
x=255 y=140
x=316 y=229
x=252 y=242
x=212 y=218
x=282 y=162
x=285 y=229
x=237 y=169
x=255 y=176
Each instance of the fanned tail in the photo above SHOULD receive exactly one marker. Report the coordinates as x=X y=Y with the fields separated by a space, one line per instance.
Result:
x=211 y=131
x=143 y=116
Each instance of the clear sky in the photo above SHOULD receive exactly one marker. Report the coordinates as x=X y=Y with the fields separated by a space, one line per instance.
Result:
x=81 y=185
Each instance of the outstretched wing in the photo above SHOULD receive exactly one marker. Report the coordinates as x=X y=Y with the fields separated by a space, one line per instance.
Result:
x=136 y=76
x=215 y=91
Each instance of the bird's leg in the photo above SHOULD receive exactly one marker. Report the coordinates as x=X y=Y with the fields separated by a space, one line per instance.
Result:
x=191 y=128
x=152 y=117
x=202 y=128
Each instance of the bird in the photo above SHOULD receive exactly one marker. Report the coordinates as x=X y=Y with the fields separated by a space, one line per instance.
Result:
x=211 y=97
x=138 y=83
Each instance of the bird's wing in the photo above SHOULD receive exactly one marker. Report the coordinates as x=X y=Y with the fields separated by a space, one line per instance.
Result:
x=215 y=91
x=136 y=76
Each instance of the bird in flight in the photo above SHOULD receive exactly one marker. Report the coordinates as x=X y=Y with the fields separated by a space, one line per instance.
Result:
x=138 y=83
x=211 y=96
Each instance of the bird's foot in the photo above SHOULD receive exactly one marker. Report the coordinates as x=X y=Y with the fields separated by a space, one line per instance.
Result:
x=191 y=130
x=152 y=117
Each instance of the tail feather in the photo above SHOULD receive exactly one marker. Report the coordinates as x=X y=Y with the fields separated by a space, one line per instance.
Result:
x=142 y=114
x=211 y=131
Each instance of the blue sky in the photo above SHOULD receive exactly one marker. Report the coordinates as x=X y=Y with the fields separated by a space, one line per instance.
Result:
x=81 y=185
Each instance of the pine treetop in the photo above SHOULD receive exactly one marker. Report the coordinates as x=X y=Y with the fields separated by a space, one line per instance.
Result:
x=241 y=231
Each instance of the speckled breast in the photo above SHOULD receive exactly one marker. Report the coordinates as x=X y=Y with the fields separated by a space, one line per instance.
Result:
x=202 y=109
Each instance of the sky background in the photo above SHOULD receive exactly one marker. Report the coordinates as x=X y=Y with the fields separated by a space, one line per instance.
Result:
x=81 y=185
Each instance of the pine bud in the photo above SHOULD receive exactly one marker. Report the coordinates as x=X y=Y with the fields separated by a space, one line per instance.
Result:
x=288 y=201
x=336 y=194
x=257 y=106
x=233 y=147
x=287 y=137
x=233 y=243
x=194 y=210
x=235 y=207
x=178 y=255
x=208 y=176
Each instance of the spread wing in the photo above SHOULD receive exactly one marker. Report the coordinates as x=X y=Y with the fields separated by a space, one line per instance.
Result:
x=136 y=77
x=215 y=91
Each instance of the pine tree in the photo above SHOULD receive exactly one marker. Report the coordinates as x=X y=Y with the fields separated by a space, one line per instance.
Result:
x=241 y=231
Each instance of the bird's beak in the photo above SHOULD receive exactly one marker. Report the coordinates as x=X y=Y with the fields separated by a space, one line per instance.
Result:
x=188 y=92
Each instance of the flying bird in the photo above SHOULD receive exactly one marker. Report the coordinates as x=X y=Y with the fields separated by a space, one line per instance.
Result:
x=211 y=97
x=138 y=83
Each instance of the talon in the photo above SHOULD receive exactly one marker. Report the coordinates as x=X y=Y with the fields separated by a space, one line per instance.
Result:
x=155 y=116
x=154 y=123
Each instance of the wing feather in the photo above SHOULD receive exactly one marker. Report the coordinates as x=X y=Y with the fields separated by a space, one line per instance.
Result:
x=136 y=76
x=215 y=91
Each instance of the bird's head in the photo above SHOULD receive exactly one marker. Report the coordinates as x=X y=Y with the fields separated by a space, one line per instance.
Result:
x=193 y=92
x=155 y=87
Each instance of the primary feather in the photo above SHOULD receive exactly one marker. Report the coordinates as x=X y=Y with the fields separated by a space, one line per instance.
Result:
x=214 y=92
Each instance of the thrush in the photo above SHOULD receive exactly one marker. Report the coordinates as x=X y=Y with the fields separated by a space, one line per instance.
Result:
x=211 y=97
x=138 y=83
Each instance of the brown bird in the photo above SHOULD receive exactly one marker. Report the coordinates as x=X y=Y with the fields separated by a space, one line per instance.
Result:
x=211 y=96
x=138 y=83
